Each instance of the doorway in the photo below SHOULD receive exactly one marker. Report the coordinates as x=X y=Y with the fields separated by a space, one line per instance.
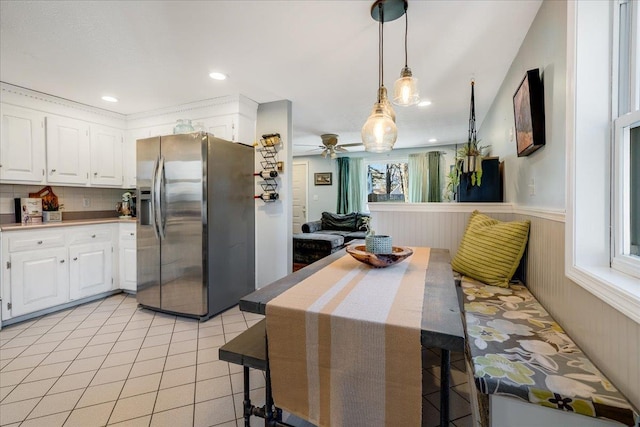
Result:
x=299 y=177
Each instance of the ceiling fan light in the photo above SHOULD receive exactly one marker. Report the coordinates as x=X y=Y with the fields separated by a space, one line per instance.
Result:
x=379 y=132
x=405 y=90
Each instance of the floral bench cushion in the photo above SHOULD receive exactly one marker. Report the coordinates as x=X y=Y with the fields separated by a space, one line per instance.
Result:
x=517 y=349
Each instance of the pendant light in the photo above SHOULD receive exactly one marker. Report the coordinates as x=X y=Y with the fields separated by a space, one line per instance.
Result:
x=405 y=90
x=379 y=132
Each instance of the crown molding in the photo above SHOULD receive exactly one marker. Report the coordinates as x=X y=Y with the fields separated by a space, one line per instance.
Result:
x=190 y=106
x=8 y=89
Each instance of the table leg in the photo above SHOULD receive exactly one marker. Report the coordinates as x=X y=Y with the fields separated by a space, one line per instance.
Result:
x=247 y=400
x=445 y=371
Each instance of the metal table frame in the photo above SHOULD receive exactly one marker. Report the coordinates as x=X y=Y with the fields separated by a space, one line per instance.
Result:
x=441 y=320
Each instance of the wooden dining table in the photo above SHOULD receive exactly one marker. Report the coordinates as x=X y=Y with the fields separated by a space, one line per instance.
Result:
x=441 y=324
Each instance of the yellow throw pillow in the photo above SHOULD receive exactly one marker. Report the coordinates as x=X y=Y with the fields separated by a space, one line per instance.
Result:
x=490 y=250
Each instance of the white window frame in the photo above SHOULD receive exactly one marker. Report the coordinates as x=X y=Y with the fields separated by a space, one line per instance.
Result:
x=620 y=247
x=626 y=105
x=591 y=107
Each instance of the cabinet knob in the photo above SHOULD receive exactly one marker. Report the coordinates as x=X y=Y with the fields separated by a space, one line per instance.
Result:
x=75 y=258
x=39 y=242
x=95 y=174
x=133 y=234
x=93 y=236
x=52 y=172
x=61 y=261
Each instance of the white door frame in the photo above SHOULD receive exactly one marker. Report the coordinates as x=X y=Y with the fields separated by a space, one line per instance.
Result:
x=306 y=201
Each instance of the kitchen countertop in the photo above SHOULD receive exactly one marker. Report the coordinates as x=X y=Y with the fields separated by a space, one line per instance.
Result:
x=67 y=223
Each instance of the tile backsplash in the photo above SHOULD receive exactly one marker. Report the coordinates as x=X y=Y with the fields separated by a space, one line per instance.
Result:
x=69 y=198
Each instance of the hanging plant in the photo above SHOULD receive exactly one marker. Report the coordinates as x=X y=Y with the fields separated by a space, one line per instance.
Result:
x=469 y=157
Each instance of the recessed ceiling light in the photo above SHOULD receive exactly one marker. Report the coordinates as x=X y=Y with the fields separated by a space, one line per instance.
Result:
x=424 y=103
x=217 y=76
x=109 y=98
x=433 y=140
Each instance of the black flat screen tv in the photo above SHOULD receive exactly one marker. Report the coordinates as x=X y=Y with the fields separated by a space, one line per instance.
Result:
x=528 y=111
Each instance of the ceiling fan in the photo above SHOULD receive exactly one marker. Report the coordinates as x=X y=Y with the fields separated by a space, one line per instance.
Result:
x=330 y=146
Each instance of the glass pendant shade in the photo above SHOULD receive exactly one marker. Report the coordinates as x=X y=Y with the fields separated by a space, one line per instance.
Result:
x=379 y=132
x=405 y=90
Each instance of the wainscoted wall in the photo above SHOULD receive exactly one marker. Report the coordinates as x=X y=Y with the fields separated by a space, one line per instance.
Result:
x=439 y=225
x=609 y=338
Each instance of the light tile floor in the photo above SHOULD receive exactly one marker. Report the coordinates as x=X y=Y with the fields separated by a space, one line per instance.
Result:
x=110 y=362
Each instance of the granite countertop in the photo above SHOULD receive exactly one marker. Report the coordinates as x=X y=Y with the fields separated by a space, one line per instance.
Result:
x=66 y=223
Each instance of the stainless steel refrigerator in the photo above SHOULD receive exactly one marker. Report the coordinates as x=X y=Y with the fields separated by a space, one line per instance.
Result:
x=196 y=222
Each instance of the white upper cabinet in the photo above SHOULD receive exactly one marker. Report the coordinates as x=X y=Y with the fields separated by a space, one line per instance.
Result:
x=106 y=156
x=22 y=147
x=67 y=151
x=222 y=127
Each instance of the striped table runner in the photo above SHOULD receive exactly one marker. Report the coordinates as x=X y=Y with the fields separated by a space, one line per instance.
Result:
x=344 y=344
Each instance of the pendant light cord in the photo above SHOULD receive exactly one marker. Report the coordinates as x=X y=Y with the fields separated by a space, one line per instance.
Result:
x=380 y=49
x=406 y=31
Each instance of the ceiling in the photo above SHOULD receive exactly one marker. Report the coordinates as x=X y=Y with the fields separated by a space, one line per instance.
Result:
x=321 y=55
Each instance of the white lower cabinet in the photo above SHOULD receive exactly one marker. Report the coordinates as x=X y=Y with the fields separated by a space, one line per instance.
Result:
x=90 y=271
x=39 y=279
x=127 y=252
x=43 y=268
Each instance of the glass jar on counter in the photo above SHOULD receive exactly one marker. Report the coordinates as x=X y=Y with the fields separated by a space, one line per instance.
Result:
x=183 y=126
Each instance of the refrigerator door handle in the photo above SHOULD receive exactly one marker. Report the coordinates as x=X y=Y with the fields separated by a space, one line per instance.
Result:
x=159 y=184
x=154 y=200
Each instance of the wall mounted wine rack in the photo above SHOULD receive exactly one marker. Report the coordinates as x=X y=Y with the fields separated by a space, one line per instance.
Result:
x=268 y=149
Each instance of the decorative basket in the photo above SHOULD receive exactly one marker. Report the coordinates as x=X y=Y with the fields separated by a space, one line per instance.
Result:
x=378 y=244
x=49 y=199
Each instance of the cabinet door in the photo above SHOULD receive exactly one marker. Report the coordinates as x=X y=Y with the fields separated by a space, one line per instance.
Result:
x=22 y=149
x=159 y=130
x=127 y=264
x=67 y=151
x=89 y=269
x=221 y=127
x=128 y=279
x=129 y=153
x=39 y=280
x=106 y=156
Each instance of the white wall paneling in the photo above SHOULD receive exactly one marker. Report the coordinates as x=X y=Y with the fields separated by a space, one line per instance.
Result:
x=436 y=225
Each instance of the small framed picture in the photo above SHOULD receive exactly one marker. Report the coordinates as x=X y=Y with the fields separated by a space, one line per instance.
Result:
x=322 y=178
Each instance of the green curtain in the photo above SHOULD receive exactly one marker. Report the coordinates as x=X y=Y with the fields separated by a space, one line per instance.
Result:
x=435 y=192
x=356 y=179
x=418 y=175
x=343 y=185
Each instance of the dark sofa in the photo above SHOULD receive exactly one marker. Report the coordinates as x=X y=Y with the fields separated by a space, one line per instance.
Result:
x=327 y=235
x=350 y=226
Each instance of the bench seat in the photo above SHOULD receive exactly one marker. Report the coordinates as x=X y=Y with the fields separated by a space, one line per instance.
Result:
x=517 y=349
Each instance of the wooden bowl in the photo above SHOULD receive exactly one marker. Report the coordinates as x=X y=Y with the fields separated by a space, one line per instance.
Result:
x=379 y=260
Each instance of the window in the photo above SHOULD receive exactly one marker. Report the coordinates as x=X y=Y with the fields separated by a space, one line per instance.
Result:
x=602 y=116
x=626 y=155
x=387 y=182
